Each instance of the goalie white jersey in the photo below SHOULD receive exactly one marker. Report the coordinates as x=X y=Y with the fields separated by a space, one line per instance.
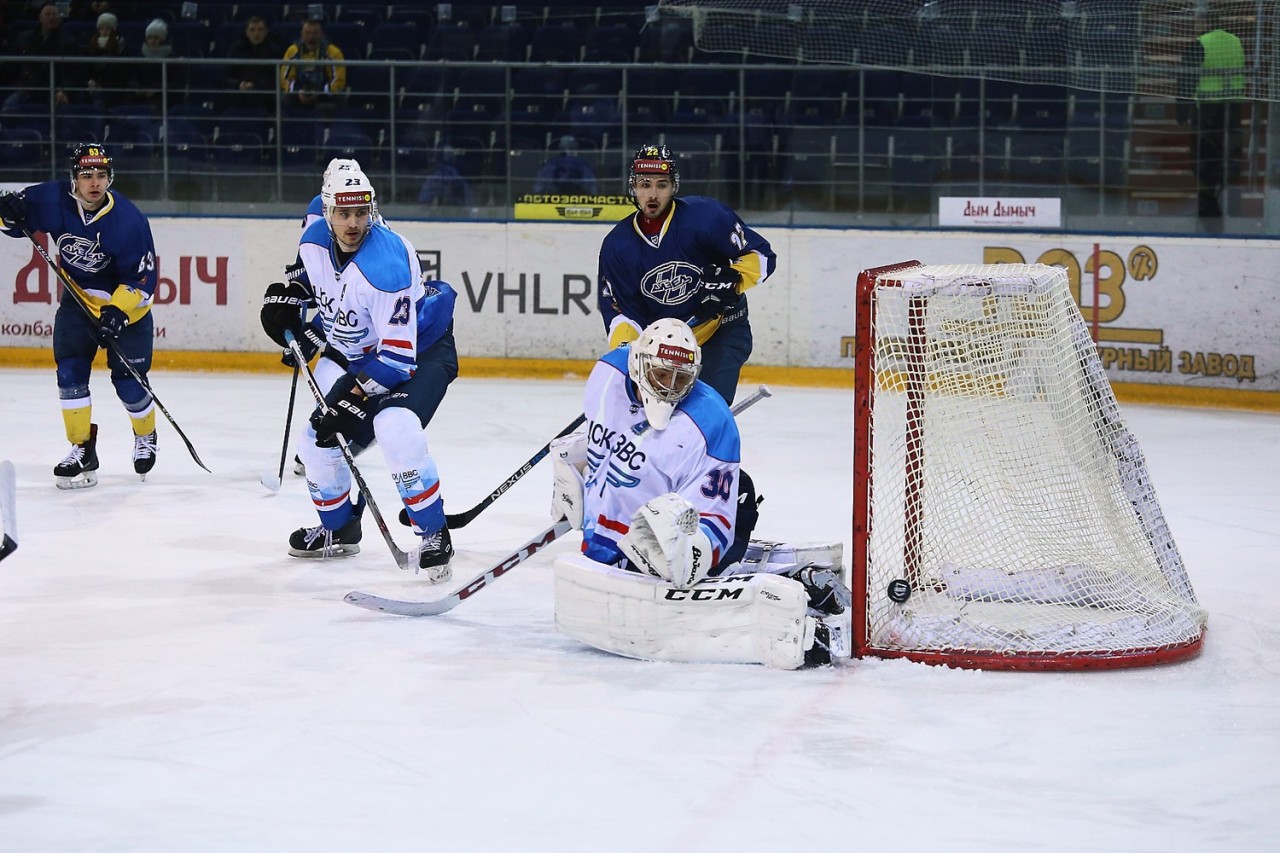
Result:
x=629 y=463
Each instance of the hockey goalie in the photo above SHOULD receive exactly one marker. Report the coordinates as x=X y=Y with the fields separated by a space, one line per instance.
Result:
x=668 y=570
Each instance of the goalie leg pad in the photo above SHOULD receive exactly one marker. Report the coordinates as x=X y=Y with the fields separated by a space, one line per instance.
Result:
x=735 y=619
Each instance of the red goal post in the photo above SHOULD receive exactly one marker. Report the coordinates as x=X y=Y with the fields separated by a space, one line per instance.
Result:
x=1003 y=517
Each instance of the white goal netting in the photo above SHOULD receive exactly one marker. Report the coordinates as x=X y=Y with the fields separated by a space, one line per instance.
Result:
x=1135 y=46
x=1009 y=518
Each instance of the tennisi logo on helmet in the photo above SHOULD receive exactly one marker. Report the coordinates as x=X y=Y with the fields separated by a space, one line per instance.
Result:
x=360 y=198
x=669 y=352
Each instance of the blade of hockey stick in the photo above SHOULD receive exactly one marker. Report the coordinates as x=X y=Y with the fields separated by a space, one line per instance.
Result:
x=138 y=377
x=8 y=510
x=444 y=605
x=397 y=607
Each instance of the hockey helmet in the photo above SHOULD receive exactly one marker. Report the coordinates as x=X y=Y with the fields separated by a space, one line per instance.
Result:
x=663 y=363
x=338 y=164
x=347 y=188
x=651 y=161
x=90 y=155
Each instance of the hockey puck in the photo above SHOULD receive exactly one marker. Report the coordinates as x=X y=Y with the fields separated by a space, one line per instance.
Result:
x=898 y=590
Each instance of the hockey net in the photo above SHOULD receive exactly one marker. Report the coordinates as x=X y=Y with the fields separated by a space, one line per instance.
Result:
x=1003 y=516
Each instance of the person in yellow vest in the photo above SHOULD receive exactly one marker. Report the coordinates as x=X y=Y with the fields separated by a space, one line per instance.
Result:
x=324 y=78
x=1213 y=90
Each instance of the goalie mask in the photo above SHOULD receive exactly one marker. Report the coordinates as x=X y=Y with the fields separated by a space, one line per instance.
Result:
x=653 y=161
x=88 y=156
x=663 y=363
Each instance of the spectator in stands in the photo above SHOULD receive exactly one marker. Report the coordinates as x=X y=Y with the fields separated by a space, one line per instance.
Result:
x=446 y=185
x=1213 y=89
x=313 y=84
x=254 y=81
x=566 y=173
x=107 y=81
x=36 y=77
x=149 y=78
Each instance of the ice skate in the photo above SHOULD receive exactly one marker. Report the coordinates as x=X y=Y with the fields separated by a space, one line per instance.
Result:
x=79 y=470
x=298 y=467
x=434 y=554
x=144 y=453
x=320 y=542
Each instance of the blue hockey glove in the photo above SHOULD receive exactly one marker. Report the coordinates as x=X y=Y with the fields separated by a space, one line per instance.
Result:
x=13 y=209
x=718 y=292
x=111 y=323
x=346 y=413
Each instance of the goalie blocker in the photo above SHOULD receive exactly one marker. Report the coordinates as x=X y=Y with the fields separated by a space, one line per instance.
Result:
x=762 y=614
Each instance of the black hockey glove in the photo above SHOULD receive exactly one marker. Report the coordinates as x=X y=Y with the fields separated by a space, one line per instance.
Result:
x=13 y=209
x=346 y=413
x=111 y=323
x=718 y=292
x=282 y=307
x=310 y=342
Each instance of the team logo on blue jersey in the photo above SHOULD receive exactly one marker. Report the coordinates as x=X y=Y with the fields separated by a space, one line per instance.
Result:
x=672 y=283
x=82 y=253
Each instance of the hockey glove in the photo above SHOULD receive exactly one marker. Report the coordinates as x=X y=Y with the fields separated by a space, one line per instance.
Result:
x=344 y=412
x=718 y=292
x=827 y=595
x=282 y=307
x=311 y=342
x=13 y=209
x=111 y=323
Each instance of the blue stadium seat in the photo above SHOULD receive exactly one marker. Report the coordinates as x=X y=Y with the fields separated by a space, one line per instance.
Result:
x=610 y=43
x=502 y=43
x=397 y=42
x=561 y=42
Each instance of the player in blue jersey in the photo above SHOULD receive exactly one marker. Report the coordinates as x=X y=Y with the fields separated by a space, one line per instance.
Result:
x=691 y=258
x=104 y=244
x=388 y=358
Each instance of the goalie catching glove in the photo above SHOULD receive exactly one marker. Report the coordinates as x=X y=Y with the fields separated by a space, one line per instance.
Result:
x=568 y=460
x=345 y=411
x=666 y=541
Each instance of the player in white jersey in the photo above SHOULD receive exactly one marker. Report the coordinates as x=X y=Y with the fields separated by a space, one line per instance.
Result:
x=653 y=482
x=388 y=358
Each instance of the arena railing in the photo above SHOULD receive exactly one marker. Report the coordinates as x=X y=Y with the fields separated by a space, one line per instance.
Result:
x=823 y=145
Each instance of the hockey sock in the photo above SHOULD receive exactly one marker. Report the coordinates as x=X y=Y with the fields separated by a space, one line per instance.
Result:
x=77 y=416
x=144 y=423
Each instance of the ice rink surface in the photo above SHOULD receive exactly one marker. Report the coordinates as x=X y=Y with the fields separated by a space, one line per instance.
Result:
x=171 y=680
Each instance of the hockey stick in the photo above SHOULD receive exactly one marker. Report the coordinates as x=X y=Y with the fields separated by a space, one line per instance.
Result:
x=462 y=519
x=71 y=289
x=404 y=559
x=273 y=482
x=444 y=605
x=397 y=607
x=8 y=510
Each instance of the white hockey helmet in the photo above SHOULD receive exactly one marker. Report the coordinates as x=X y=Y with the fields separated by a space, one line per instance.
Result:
x=347 y=188
x=664 y=362
x=338 y=164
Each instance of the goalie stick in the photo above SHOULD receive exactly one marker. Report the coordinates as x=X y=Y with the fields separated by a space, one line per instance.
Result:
x=8 y=510
x=444 y=605
x=71 y=290
x=396 y=607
